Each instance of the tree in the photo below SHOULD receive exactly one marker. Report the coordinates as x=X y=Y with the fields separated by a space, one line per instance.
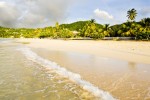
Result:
x=92 y=21
x=106 y=27
x=57 y=26
x=106 y=30
x=131 y=14
x=146 y=22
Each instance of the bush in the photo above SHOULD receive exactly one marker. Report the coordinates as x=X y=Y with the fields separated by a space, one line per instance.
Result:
x=143 y=36
x=65 y=33
x=97 y=35
x=43 y=35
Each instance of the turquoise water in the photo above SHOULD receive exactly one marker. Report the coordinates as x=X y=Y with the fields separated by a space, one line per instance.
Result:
x=26 y=76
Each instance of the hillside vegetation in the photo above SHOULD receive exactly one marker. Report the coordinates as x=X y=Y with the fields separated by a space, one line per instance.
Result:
x=85 y=29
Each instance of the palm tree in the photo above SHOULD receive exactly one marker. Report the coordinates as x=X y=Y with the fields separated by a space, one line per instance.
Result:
x=106 y=27
x=146 y=22
x=57 y=26
x=131 y=14
x=106 y=30
x=92 y=21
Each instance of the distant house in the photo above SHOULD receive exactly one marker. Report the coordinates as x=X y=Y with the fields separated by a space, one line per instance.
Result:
x=75 y=32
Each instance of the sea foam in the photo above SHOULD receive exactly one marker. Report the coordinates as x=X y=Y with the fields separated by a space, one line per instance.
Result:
x=65 y=73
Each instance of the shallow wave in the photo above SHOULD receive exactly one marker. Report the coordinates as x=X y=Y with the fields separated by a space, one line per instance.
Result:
x=5 y=40
x=65 y=73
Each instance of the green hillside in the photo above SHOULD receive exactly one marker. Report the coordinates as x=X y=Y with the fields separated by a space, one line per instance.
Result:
x=90 y=29
x=77 y=26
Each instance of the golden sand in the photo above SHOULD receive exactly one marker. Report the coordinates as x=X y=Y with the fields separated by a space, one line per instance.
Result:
x=119 y=67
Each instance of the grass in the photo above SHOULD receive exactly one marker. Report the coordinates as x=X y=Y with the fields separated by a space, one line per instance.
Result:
x=25 y=42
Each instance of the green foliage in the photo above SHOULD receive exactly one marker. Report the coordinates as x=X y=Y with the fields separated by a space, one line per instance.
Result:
x=116 y=39
x=78 y=26
x=143 y=36
x=145 y=22
x=97 y=35
x=65 y=33
x=131 y=14
x=92 y=30
x=92 y=21
x=74 y=26
x=89 y=29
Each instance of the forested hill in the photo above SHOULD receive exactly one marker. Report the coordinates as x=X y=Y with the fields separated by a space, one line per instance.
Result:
x=86 y=29
x=91 y=29
x=77 y=26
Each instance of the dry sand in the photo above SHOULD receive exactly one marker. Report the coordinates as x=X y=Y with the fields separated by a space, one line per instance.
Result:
x=119 y=67
x=126 y=50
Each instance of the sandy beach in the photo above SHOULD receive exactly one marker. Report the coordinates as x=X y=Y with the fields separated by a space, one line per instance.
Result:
x=120 y=67
x=126 y=50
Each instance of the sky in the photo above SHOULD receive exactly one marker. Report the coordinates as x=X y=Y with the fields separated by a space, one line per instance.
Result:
x=43 y=13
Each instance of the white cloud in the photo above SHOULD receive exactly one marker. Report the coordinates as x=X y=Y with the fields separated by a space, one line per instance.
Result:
x=102 y=14
x=2 y=3
x=33 y=13
x=9 y=14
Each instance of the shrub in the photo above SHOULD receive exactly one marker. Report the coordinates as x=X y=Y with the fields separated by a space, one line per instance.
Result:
x=97 y=35
x=65 y=33
x=143 y=36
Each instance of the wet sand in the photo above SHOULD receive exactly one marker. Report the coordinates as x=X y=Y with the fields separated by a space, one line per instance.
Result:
x=119 y=67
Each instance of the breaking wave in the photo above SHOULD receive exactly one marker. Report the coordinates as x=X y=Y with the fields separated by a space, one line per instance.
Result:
x=65 y=73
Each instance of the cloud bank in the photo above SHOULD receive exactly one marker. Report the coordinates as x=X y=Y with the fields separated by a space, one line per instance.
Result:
x=102 y=14
x=41 y=13
x=33 y=13
x=9 y=14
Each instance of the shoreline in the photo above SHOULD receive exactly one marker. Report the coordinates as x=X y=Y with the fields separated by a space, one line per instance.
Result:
x=134 y=51
x=120 y=68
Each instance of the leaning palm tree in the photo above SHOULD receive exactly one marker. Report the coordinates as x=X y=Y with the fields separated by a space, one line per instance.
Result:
x=131 y=14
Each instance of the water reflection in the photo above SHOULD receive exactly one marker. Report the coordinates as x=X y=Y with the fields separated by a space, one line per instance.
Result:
x=22 y=79
x=106 y=73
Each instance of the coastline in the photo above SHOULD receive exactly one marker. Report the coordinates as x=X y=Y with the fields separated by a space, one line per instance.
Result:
x=118 y=67
x=134 y=51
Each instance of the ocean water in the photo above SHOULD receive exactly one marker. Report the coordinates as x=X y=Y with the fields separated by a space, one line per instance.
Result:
x=125 y=80
x=24 y=75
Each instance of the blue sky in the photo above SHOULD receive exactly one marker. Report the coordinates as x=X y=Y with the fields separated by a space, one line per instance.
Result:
x=41 y=13
x=117 y=8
